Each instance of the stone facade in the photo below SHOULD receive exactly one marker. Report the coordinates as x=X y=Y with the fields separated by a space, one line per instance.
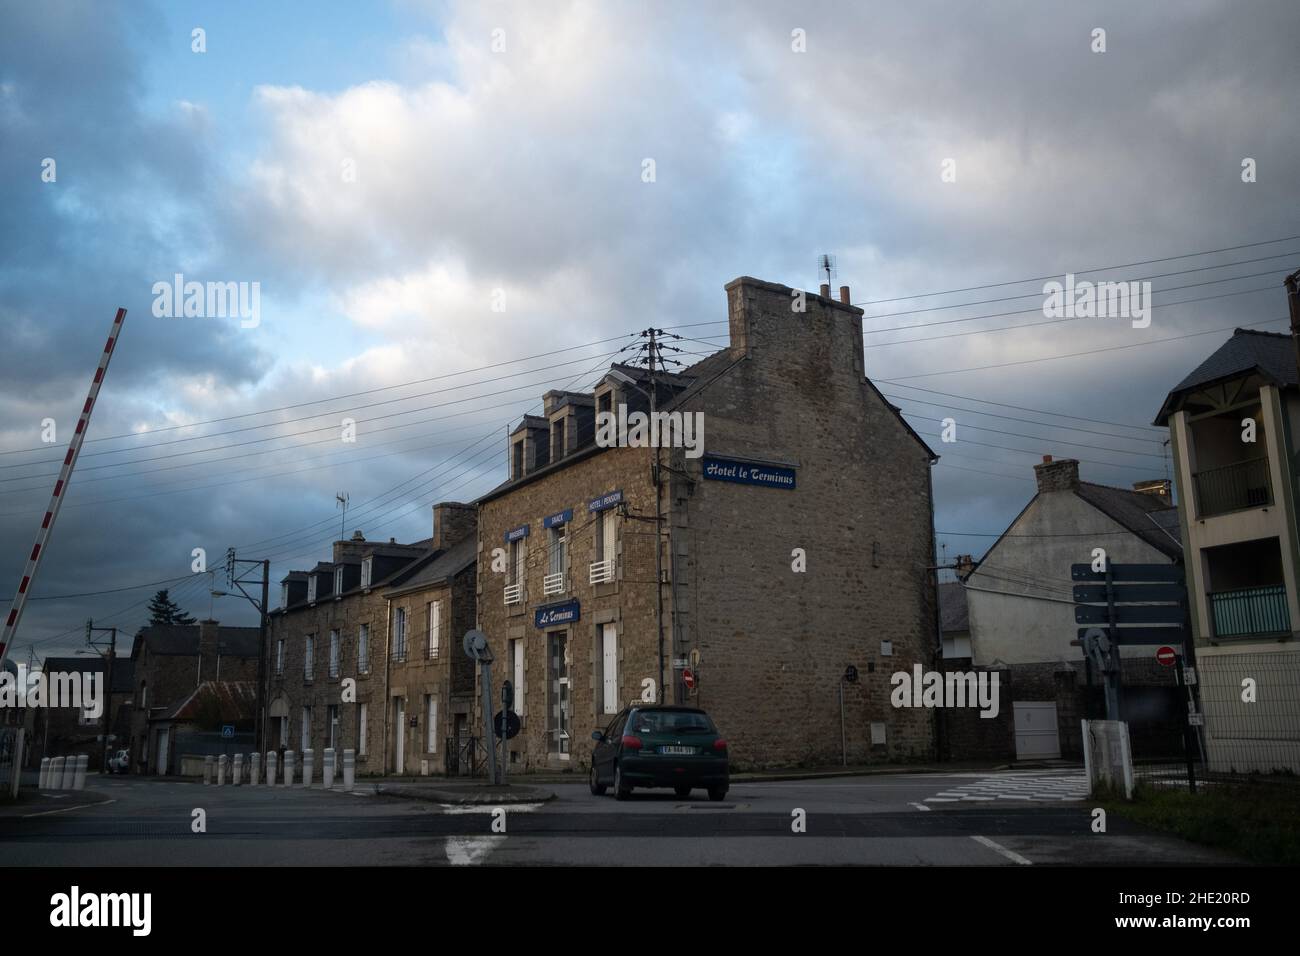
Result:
x=773 y=642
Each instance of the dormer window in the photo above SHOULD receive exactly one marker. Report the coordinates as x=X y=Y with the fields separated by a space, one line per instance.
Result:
x=604 y=401
x=284 y=594
x=338 y=581
x=367 y=568
x=558 y=435
x=517 y=458
x=311 y=589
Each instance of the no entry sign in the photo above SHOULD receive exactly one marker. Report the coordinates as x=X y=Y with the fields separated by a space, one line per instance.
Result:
x=688 y=678
x=1166 y=655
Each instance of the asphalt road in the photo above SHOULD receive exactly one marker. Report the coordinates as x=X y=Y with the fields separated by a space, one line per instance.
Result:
x=1008 y=819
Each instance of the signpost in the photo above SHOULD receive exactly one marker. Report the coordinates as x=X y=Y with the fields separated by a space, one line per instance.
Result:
x=476 y=649
x=1166 y=656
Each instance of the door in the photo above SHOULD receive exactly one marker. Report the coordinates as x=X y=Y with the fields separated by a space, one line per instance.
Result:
x=399 y=735
x=609 y=668
x=161 y=767
x=557 y=711
x=1036 y=730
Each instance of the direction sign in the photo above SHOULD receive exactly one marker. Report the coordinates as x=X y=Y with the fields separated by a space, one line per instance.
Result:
x=680 y=662
x=510 y=724
x=1128 y=572
x=688 y=678
x=1130 y=614
x=1166 y=656
x=1139 y=635
x=1129 y=593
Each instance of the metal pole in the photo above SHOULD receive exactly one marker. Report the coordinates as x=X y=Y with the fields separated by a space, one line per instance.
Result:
x=1187 y=727
x=259 y=729
x=108 y=704
x=485 y=675
x=1292 y=283
x=505 y=725
x=844 y=747
x=659 y=557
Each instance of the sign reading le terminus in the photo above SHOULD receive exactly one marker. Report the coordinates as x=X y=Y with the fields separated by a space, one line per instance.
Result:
x=748 y=473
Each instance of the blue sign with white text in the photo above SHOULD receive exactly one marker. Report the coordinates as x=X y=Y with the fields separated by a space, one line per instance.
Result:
x=552 y=614
x=559 y=518
x=605 y=501
x=514 y=534
x=748 y=473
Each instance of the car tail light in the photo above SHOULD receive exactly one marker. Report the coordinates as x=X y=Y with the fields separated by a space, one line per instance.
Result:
x=719 y=744
x=631 y=743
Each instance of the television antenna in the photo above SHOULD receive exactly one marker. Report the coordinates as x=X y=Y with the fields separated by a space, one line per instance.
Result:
x=826 y=267
x=342 y=498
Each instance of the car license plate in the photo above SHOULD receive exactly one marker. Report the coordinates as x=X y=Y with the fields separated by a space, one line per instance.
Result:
x=677 y=750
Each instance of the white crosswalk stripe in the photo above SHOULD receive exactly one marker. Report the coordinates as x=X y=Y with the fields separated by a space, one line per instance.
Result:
x=1050 y=785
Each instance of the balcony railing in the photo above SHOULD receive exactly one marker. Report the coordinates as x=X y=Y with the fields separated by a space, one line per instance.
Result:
x=1243 y=484
x=602 y=571
x=553 y=583
x=514 y=593
x=1250 y=612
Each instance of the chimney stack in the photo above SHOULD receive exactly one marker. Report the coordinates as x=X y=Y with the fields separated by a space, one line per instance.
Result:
x=453 y=522
x=1158 y=488
x=1060 y=475
x=826 y=290
x=844 y=295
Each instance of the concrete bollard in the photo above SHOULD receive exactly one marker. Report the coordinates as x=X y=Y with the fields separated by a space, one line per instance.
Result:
x=327 y=769
x=79 y=771
x=237 y=769
x=55 y=780
x=43 y=781
x=289 y=760
x=207 y=770
x=254 y=769
x=349 y=768
x=308 y=766
x=222 y=763
x=69 y=773
x=270 y=768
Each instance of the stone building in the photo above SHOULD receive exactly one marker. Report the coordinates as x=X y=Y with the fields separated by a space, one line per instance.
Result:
x=389 y=618
x=795 y=541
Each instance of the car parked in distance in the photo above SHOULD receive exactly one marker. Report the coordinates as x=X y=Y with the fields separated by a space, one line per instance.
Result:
x=119 y=762
x=660 y=746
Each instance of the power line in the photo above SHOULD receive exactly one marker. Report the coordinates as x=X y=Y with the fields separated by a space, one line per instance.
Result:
x=1021 y=408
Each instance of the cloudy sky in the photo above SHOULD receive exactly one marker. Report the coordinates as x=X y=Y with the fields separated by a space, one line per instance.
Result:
x=390 y=172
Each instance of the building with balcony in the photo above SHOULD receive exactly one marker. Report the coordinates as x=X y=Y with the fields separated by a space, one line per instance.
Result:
x=794 y=542
x=1233 y=432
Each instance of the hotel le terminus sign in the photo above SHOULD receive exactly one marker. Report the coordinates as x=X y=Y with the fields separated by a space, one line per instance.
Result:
x=566 y=612
x=748 y=473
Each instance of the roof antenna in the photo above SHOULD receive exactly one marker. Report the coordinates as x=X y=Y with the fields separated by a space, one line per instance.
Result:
x=826 y=265
x=342 y=498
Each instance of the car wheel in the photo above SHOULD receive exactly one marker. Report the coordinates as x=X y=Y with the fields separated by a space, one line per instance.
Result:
x=621 y=790
x=682 y=791
x=593 y=781
x=717 y=793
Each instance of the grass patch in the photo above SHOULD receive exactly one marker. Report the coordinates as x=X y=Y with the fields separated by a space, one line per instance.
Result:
x=1257 y=821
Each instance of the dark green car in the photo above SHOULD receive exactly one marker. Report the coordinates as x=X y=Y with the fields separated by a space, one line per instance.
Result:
x=660 y=746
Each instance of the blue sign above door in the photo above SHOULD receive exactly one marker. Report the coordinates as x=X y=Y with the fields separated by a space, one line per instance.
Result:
x=567 y=612
x=559 y=518
x=514 y=534
x=605 y=501
x=748 y=473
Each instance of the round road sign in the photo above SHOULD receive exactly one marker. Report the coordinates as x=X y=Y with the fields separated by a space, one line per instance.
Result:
x=1166 y=655
x=688 y=678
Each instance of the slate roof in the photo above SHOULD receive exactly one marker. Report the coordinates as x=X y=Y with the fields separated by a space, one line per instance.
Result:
x=953 y=612
x=1132 y=510
x=229 y=701
x=444 y=567
x=183 y=640
x=1267 y=354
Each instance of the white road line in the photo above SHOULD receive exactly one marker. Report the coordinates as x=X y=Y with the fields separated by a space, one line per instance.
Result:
x=997 y=848
x=919 y=806
x=456 y=808
x=469 y=851
x=66 y=809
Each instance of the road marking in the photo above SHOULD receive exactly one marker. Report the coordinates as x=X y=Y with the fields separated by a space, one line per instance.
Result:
x=919 y=806
x=998 y=848
x=453 y=808
x=470 y=851
x=66 y=809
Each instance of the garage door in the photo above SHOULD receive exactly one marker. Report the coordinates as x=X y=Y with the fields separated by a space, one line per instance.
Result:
x=1036 y=737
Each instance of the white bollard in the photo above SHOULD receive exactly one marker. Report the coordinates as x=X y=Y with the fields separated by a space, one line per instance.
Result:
x=69 y=773
x=207 y=770
x=42 y=781
x=79 y=771
x=289 y=759
x=308 y=766
x=349 y=768
x=254 y=769
x=55 y=780
x=270 y=768
x=237 y=769
x=327 y=769
x=222 y=761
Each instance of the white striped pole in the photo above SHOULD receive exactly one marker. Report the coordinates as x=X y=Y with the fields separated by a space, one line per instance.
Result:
x=60 y=488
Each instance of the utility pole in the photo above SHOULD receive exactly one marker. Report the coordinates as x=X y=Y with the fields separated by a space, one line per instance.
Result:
x=238 y=578
x=652 y=334
x=1292 y=283
x=108 y=684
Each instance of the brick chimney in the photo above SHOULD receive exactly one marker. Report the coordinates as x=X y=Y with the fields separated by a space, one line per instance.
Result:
x=452 y=523
x=209 y=632
x=1060 y=475
x=1157 y=488
x=964 y=564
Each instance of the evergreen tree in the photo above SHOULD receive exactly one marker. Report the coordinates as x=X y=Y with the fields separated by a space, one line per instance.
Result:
x=163 y=610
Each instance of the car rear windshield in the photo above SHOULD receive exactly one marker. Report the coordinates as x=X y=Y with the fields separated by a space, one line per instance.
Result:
x=672 y=722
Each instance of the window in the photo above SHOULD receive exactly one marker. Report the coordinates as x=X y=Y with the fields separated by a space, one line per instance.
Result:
x=334 y=653
x=435 y=628
x=306 y=729
x=431 y=709
x=279 y=657
x=363 y=650
x=284 y=732
x=557 y=440
x=332 y=726
x=308 y=657
x=361 y=728
x=284 y=594
x=311 y=588
x=605 y=402
x=367 y=569
x=338 y=581
x=517 y=459
x=399 y=634
x=517 y=670
x=609 y=667
x=558 y=551
x=518 y=560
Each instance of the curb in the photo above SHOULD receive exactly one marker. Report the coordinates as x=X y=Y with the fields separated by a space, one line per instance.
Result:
x=483 y=797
